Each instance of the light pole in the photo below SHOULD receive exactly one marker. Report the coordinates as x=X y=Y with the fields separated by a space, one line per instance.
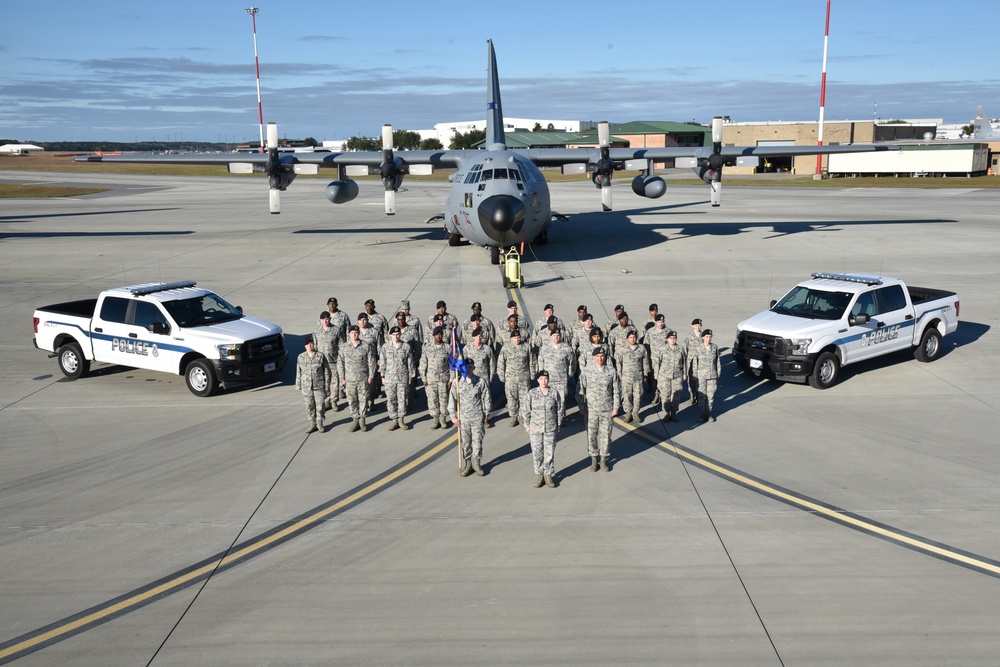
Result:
x=252 y=11
x=822 y=93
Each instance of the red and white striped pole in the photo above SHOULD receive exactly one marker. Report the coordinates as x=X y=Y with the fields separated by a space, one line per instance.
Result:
x=822 y=90
x=252 y=11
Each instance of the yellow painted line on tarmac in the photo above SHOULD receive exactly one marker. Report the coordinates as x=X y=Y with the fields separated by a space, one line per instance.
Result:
x=72 y=625
x=915 y=542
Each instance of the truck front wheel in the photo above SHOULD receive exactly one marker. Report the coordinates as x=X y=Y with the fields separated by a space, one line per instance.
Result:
x=825 y=371
x=200 y=378
x=929 y=347
x=71 y=361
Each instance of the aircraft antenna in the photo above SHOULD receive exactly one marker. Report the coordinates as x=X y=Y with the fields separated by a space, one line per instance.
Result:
x=252 y=11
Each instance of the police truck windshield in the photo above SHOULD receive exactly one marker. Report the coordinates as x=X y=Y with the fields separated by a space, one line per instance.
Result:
x=201 y=311
x=813 y=304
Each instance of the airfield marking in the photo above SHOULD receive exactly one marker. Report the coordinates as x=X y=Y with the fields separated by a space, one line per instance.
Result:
x=830 y=512
x=255 y=546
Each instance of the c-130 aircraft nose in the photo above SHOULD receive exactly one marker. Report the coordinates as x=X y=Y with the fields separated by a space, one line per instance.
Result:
x=500 y=214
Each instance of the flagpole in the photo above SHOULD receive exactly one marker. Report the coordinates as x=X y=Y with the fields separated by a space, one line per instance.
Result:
x=458 y=396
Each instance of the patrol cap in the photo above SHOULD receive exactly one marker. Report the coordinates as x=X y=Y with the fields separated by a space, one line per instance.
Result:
x=441 y=304
x=308 y=339
x=512 y=304
x=653 y=306
x=671 y=334
x=325 y=315
x=362 y=316
x=405 y=303
x=541 y=373
x=476 y=304
x=394 y=330
x=370 y=302
x=706 y=332
x=477 y=332
x=695 y=321
x=659 y=318
x=354 y=327
x=438 y=331
x=552 y=318
x=548 y=306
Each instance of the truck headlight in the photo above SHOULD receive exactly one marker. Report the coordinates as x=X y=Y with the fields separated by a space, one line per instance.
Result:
x=229 y=352
x=799 y=347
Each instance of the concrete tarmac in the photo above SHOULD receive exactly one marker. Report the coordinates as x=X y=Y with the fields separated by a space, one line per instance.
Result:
x=142 y=525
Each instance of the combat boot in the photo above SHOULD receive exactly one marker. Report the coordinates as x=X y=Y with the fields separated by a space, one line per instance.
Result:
x=487 y=424
x=444 y=422
x=627 y=418
x=312 y=428
x=337 y=407
x=364 y=426
x=593 y=463
x=539 y=481
x=477 y=467
x=327 y=405
x=466 y=469
x=513 y=422
x=604 y=464
x=354 y=426
x=636 y=417
x=393 y=425
x=549 y=482
x=402 y=425
x=435 y=423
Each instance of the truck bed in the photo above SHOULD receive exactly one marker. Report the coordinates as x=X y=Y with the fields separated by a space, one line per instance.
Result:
x=920 y=295
x=83 y=308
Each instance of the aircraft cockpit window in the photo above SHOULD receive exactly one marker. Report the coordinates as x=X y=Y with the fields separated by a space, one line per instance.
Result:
x=516 y=175
x=487 y=175
x=500 y=174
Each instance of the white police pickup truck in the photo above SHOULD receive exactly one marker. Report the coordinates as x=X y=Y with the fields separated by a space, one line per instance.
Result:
x=838 y=319
x=172 y=327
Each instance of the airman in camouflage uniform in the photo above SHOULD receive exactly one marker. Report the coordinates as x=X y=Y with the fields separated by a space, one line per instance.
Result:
x=371 y=335
x=580 y=333
x=377 y=320
x=541 y=422
x=691 y=344
x=340 y=322
x=504 y=328
x=398 y=372
x=416 y=329
x=669 y=368
x=613 y=322
x=328 y=344
x=655 y=338
x=468 y=406
x=654 y=310
x=486 y=364
x=558 y=359
x=633 y=368
x=586 y=357
x=514 y=366
x=519 y=324
x=618 y=334
x=599 y=394
x=312 y=378
x=357 y=370
x=448 y=321
x=544 y=327
x=707 y=367
x=434 y=370
x=477 y=319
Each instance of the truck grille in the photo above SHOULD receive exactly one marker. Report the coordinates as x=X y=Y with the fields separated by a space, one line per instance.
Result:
x=751 y=341
x=266 y=348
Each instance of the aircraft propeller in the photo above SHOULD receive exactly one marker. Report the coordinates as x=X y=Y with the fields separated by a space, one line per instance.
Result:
x=605 y=166
x=391 y=170
x=273 y=169
x=715 y=162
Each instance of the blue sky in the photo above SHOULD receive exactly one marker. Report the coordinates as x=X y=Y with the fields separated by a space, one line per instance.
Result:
x=140 y=70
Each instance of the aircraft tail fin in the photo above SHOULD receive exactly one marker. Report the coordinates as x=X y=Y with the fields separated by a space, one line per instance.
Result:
x=981 y=127
x=494 y=110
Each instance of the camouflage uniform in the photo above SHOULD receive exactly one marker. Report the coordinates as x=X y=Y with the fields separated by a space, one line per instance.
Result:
x=340 y=323
x=691 y=344
x=618 y=338
x=541 y=418
x=435 y=374
x=328 y=344
x=448 y=322
x=560 y=362
x=601 y=391
x=357 y=368
x=380 y=322
x=469 y=404
x=312 y=378
x=669 y=368
x=706 y=367
x=489 y=331
x=633 y=366
x=504 y=326
x=398 y=372
x=586 y=357
x=541 y=334
x=514 y=366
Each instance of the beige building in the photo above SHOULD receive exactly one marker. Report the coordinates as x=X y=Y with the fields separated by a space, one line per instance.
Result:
x=794 y=133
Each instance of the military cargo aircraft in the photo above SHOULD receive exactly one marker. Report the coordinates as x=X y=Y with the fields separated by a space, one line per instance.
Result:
x=498 y=196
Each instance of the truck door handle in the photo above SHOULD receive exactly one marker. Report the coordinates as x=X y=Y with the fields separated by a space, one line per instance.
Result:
x=99 y=329
x=909 y=317
x=879 y=325
x=133 y=335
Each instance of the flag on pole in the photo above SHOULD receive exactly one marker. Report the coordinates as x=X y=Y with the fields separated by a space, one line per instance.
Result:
x=456 y=360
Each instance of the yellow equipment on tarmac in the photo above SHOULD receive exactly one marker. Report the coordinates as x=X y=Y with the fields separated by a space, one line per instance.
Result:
x=512 y=269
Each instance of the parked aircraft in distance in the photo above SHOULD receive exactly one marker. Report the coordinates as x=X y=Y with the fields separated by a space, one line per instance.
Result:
x=498 y=196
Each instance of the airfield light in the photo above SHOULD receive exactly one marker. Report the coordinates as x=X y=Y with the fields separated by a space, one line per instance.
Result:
x=252 y=11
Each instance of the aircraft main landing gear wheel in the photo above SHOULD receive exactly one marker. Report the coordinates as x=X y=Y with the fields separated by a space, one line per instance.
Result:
x=543 y=238
x=494 y=255
x=454 y=240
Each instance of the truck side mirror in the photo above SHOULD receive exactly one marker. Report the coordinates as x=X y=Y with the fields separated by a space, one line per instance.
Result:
x=240 y=308
x=773 y=301
x=861 y=318
x=159 y=328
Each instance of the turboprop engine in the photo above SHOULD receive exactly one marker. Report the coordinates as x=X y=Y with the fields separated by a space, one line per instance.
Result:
x=342 y=191
x=649 y=186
